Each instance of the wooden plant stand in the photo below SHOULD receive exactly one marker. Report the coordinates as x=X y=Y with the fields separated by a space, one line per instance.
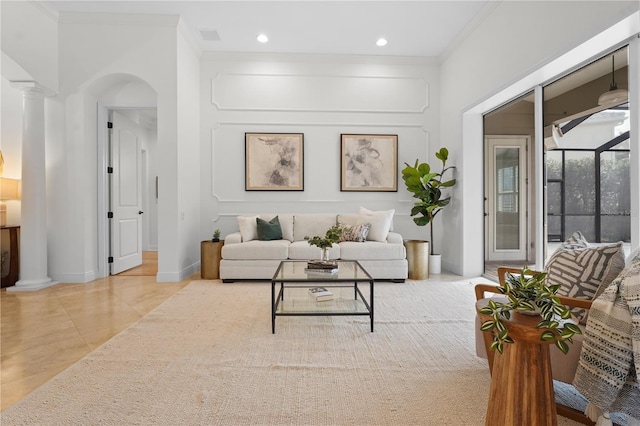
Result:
x=521 y=390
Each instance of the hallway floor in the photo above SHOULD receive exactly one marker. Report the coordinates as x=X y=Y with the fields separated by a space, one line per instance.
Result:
x=44 y=332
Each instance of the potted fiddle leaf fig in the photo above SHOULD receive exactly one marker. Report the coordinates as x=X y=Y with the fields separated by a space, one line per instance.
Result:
x=426 y=186
x=529 y=293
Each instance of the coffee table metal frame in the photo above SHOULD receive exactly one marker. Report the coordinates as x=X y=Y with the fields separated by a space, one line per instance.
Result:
x=350 y=275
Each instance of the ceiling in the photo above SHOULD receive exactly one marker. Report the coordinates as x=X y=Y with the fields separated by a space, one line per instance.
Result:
x=412 y=28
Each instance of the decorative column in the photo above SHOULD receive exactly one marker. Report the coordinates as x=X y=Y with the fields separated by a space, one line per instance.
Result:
x=33 y=218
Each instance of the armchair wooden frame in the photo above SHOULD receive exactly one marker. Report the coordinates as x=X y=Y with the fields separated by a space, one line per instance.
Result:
x=482 y=289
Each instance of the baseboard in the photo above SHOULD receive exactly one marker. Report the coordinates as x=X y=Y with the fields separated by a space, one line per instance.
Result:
x=75 y=278
x=175 y=277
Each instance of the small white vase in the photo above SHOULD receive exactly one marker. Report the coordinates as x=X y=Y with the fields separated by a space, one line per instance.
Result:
x=435 y=261
x=325 y=254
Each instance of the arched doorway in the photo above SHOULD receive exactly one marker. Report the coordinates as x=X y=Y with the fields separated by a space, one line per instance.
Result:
x=133 y=100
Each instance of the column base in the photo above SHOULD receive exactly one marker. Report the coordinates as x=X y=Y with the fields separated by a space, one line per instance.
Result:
x=32 y=285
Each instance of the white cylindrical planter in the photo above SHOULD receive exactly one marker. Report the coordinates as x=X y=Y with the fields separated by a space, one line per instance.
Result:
x=435 y=261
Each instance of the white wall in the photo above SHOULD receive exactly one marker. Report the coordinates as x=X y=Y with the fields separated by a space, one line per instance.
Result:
x=502 y=49
x=93 y=49
x=30 y=38
x=188 y=155
x=320 y=97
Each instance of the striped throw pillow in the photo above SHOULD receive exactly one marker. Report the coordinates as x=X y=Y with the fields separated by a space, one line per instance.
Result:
x=575 y=241
x=584 y=273
x=356 y=233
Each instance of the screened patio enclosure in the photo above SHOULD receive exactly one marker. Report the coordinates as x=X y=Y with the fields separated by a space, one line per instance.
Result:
x=588 y=182
x=586 y=166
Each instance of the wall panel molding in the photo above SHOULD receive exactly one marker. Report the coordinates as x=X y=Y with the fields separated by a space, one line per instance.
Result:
x=318 y=124
x=319 y=93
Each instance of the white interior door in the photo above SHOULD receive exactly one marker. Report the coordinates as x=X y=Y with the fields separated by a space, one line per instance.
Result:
x=506 y=198
x=126 y=195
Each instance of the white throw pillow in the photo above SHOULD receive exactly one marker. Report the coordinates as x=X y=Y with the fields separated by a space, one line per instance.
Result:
x=364 y=210
x=248 y=227
x=381 y=223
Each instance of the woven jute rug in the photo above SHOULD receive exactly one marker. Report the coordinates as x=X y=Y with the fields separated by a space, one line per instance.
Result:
x=207 y=356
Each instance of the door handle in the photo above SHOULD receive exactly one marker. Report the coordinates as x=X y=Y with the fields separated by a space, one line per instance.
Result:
x=140 y=212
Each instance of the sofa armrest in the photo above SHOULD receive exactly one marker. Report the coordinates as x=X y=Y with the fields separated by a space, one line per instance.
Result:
x=234 y=238
x=394 y=238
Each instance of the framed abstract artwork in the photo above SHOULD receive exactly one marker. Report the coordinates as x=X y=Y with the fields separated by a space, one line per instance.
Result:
x=274 y=161
x=369 y=163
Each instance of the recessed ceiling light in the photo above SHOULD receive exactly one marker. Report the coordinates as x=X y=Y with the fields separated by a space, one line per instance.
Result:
x=262 y=38
x=381 y=42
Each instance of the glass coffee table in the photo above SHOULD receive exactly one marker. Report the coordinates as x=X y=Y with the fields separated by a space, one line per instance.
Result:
x=348 y=298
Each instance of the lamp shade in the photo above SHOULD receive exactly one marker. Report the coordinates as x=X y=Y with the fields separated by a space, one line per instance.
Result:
x=613 y=97
x=10 y=189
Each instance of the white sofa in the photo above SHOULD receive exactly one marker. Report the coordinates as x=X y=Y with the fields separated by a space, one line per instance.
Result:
x=245 y=257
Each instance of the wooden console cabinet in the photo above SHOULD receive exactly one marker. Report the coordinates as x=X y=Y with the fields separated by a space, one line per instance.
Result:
x=10 y=246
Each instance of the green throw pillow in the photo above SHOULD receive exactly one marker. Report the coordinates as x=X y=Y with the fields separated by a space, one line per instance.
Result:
x=269 y=230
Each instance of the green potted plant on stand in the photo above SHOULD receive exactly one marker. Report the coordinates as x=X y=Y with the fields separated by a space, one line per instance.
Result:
x=528 y=293
x=426 y=186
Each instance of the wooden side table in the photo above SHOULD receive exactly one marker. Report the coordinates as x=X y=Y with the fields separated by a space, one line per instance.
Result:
x=210 y=255
x=13 y=262
x=521 y=390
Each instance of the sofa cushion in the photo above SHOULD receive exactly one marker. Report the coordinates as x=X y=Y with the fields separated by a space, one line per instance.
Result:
x=286 y=224
x=584 y=273
x=364 y=210
x=310 y=225
x=302 y=250
x=248 y=227
x=357 y=233
x=381 y=223
x=255 y=249
x=268 y=231
x=371 y=250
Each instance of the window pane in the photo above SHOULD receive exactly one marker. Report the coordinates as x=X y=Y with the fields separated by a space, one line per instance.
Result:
x=507 y=198
x=615 y=196
x=615 y=228
x=554 y=198
x=554 y=228
x=584 y=224
x=554 y=164
x=579 y=183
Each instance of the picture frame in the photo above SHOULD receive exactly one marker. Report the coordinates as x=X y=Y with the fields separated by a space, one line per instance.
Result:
x=274 y=161
x=369 y=162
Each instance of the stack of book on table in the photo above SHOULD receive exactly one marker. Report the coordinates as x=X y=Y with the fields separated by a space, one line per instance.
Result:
x=320 y=294
x=322 y=266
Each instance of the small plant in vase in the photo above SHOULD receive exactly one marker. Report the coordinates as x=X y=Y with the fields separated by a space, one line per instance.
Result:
x=216 y=236
x=331 y=237
x=529 y=293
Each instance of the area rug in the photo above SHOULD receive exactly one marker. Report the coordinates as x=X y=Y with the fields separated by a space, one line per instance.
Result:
x=206 y=356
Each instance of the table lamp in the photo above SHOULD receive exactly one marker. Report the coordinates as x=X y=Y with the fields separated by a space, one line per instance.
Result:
x=10 y=189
